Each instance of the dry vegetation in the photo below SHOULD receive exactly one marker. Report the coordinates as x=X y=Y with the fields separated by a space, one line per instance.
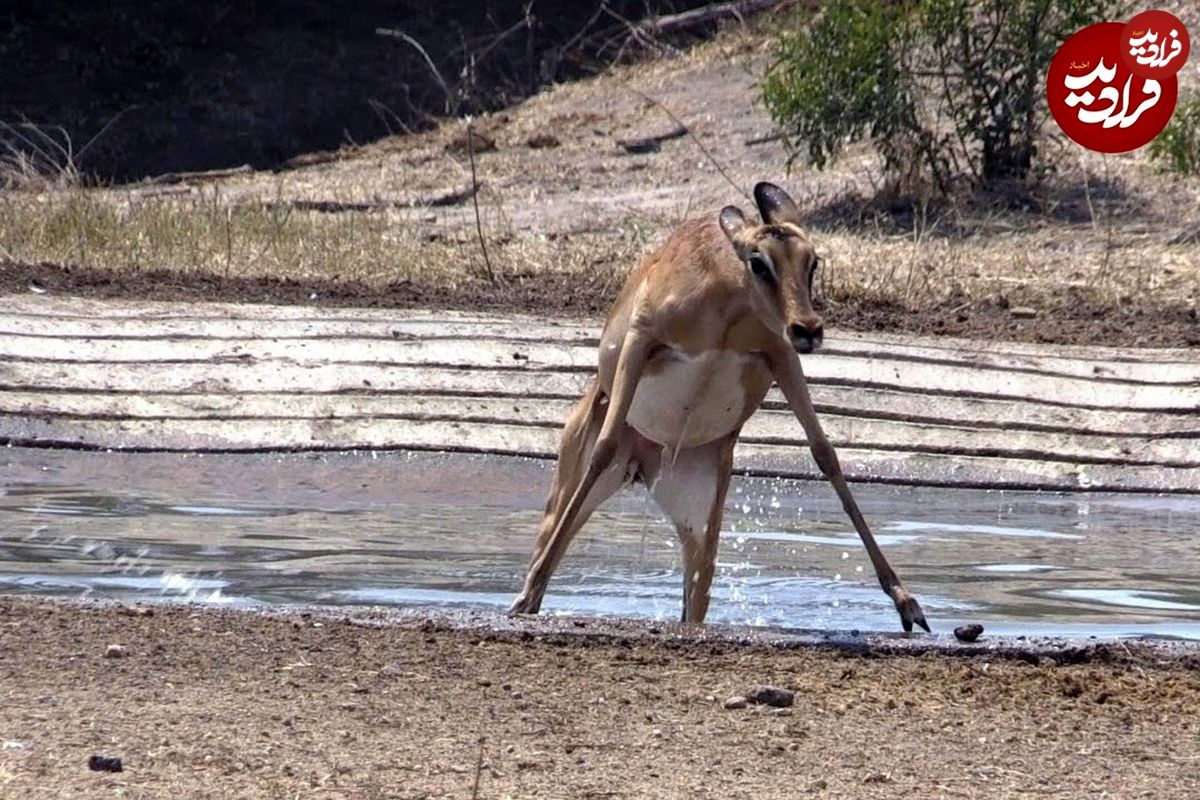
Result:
x=563 y=204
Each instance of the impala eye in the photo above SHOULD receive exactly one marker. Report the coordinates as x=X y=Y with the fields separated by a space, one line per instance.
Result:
x=760 y=265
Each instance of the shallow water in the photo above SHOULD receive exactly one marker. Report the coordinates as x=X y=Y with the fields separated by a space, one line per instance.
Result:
x=412 y=529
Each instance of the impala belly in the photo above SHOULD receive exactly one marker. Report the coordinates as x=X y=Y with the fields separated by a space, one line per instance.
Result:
x=685 y=400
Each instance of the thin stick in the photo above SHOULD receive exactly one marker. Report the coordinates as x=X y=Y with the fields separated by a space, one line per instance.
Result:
x=103 y=130
x=694 y=138
x=478 y=770
x=487 y=262
x=1108 y=218
x=1087 y=195
x=404 y=37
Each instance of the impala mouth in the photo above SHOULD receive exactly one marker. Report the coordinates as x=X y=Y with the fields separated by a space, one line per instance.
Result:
x=805 y=340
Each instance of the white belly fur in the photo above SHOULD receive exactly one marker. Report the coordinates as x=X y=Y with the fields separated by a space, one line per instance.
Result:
x=692 y=399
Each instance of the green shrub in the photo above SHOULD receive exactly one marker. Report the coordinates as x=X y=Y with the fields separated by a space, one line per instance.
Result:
x=947 y=90
x=1177 y=148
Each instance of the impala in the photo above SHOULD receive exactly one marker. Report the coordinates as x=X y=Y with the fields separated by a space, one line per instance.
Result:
x=697 y=336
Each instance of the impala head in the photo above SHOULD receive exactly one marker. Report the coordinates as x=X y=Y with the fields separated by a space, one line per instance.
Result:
x=780 y=264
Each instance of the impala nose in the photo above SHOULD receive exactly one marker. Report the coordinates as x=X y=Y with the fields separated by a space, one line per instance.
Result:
x=806 y=337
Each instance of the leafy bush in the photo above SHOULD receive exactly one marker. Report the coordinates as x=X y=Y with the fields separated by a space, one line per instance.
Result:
x=1177 y=148
x=947 y=90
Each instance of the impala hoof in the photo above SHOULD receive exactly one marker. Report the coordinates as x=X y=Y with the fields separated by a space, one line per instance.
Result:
x=523 y=605
x=910 y=610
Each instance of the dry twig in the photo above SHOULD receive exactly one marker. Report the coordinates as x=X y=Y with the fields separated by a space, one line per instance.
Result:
x=694 y=138
x=487 y=262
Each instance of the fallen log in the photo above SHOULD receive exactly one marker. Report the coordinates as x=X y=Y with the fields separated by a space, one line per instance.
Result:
x=339 y=206
x=650 y=144
x=710 y=13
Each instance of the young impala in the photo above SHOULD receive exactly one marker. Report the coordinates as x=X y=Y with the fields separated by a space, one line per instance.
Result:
x=693 y=343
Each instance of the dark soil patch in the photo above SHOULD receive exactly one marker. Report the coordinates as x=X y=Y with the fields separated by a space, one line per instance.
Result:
x=180 y=85
x=1073 y=319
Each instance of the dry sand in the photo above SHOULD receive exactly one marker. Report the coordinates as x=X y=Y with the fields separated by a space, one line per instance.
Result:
x=228 y=704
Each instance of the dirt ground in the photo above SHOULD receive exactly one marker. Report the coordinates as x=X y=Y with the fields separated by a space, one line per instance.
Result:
x=1103 y=250
x=228 y=704
x=1085 y=321
x=223 y=704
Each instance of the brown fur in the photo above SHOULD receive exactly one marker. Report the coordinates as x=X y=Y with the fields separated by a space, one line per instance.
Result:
x=696 y=305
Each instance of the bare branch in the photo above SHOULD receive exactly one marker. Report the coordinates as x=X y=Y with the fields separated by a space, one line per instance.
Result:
x=712 y=13
x=404 y=37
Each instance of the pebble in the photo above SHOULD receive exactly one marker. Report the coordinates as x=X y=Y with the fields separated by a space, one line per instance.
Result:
x=771 y=696
x=115 y=651
x=99 y=763
x=736 y=702
x=968 y=633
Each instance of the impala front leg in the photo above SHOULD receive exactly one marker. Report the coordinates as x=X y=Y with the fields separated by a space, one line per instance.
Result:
x=790 y=377
x=630 y=363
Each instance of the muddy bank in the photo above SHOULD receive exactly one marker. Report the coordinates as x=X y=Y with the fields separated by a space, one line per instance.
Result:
x=200 y=703
x=1074 y=320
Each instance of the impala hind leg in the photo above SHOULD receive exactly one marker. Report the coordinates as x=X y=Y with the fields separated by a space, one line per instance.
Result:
x=606 y=464
x=690 y=488
x=574 y=455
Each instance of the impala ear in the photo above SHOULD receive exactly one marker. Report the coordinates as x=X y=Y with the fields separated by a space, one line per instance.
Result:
x=733 y=222
x=776 y=205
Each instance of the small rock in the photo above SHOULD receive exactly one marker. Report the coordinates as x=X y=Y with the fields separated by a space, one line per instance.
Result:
x=1023 y=312
x=636 y=146
x=115 y=651
x=771 y=696
x=99 y=763
x=541 y=140
x=477 y=142
x=736 y=702
x=968 y=633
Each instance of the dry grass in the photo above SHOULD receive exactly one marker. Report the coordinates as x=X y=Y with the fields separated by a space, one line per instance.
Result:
x=1112 y=228
x=208 y=233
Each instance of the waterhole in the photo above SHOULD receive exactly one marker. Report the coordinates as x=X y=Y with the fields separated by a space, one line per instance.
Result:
x=427 y=529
